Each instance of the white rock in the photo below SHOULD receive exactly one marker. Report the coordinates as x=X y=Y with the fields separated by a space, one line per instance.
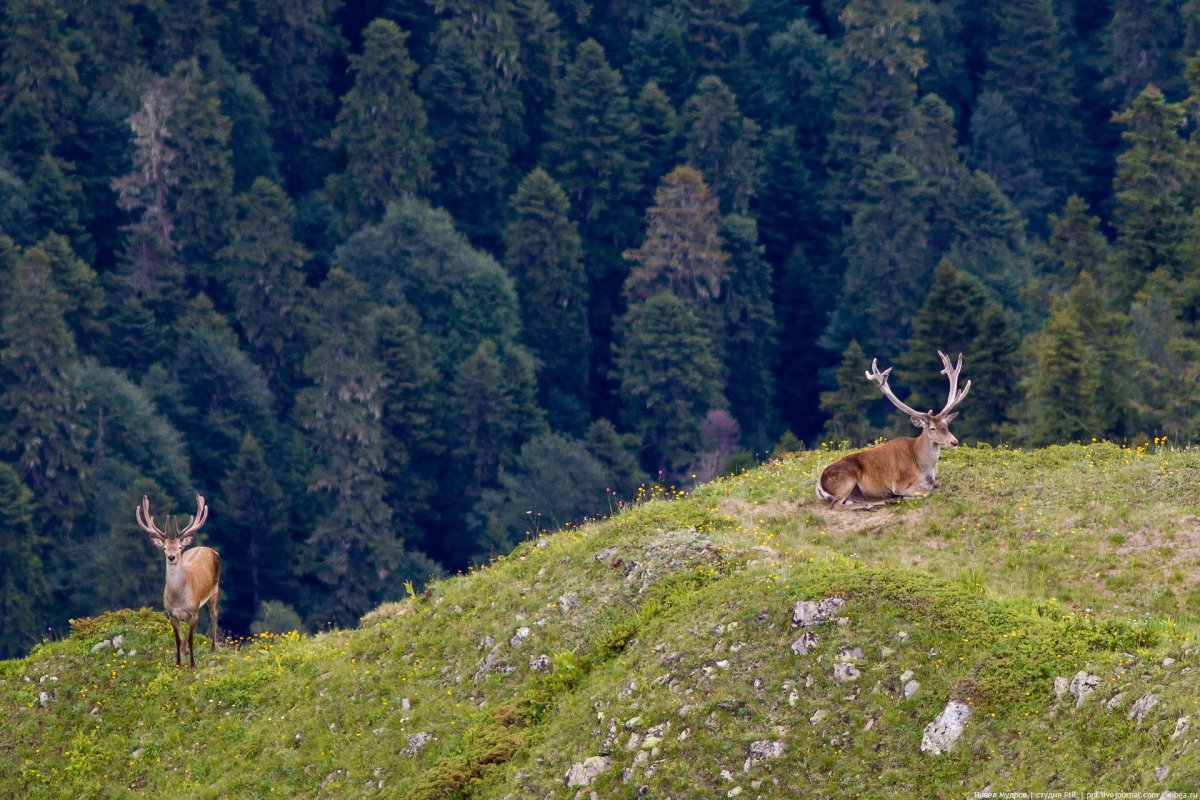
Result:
x=1161 y=773
x=1142 y=706
x=906 y=676
x=761 y=751
x=910 y=689
x=417 y=742
x=1082 y=685
x=805 y=644
x=818 y=716
x=941 y=734
x=1181 y=727
x=519 y=637
x=1061 y=684
x=586 y=771
x=99 y=646
x=808 y=613
x=844 y=672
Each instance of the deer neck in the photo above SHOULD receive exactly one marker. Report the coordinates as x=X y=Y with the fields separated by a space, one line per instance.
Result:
x=927 y=452
x=177 y=582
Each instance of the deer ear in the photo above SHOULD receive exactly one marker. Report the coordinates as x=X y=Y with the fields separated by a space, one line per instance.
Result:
x=158 y=542
x=186 y=540
x=921 y=421
x=950 y=417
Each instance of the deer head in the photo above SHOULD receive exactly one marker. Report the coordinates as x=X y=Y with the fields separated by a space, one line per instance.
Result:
x=935 y=427
x=171 y=544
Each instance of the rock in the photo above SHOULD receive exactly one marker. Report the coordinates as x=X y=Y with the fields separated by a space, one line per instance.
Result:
x=405 y=704
x=723 y=664
x=1115 y=701
x=761 y=751
x=941 y=734
x=910 y=689
x=844 y=671
x=1142 y=706
x=808 y=613
x=805 y=644
x=1168 y=661
x=818 y=716
x=1181 y=727
x=586 y=771
x=1061 y=684
x=417 y=742
x=851 y=655
x=520 y=637
x=1082 y=685
x=567 y=602
x=885 y=651
x=902 y=637
x=101 y=646
x=1161 y=773
x=539 y=663
x=118 y=641
x=906 y=675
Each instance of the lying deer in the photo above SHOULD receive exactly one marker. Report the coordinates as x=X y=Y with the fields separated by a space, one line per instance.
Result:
x=193 y=578
x=903 y=467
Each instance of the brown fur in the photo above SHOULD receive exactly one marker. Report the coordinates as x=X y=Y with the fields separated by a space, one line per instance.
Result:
x=900 y=468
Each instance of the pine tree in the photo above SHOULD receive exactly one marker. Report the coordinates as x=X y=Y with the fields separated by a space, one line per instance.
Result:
x=659 y=51
x=789 y=203
x=24 y=590
x=1141 y=47
x=354 y=546
x=57 y=203
x=958 y=317
x=722 y=144
x=1077 y=243
x=40 y=398
x=617 y=453
x=471 y=160
x=881 y=59
x=1001 y=147
x=541 y=54
x=38 y=58
x=543 y=253
x=658 y=133
x=849 y=403
x=202 y=203
x=683 y=251
x=798 y=86
x=380 y=130
x=1061 y=389
x=888 y=260
x=80 y=287
x=1155 y=176
x=264 y=273
x=750 y=335
x=253 y=153
x=294 y=71
x=253 y=535
x=806 y=291
x=670 y=378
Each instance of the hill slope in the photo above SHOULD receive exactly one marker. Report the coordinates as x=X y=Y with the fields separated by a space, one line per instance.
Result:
x=657 y=653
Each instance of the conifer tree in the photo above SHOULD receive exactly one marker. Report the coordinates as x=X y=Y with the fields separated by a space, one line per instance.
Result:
x=670 y=378
x=544 y=255
x=470 y=157
x=354 y=547
x=24 y=590
x=263 y=267
x=202 y=201
x=80 y=287
x=658 y=133
x=750 y=331
x=1154 y=179
x=958 y=317
x=541 y=53
x=789 y=204
x=254 y=536
x=797 y=89
x=617 y=453
x=1001 y=147
x=40 y=400
x=806 y=291
x=1061 y=388
x=721 y=143
x=849 y=403
x=659 y=51
x=38 y=58
x=1141 y=47
x=1077 y=243
x=57 y=203
x=683 y=251
x=881 y=58
x=381 y=129
x=888 y=260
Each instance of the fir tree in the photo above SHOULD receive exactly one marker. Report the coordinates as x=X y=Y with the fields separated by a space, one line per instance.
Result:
x=1000 y=146
x=658 y=133
x=1061 y=389
x=57 y=201
x=543 y=253
x=848 y=404
x=24 y=590
x=38 y=58
x=721 y=143
x=354 y=546
x=670 y=378
x=380 y=130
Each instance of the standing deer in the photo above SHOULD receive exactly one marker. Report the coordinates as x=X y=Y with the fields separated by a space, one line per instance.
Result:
x=193 y=578
x=903 y=467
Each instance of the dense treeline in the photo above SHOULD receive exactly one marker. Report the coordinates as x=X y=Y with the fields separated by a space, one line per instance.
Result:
x=393 y=283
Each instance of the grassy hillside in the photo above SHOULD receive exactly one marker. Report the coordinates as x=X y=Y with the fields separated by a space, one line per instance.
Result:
x=660 y=644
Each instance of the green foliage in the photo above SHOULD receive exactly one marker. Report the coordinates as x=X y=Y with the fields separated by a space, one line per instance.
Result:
x=24 y=592
x=721 y=143
x=380 y=131
x=848 y=404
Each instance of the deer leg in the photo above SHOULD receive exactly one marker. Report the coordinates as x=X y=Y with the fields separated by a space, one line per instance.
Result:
x=212 y=618
x=175 y=627
x=192 y=623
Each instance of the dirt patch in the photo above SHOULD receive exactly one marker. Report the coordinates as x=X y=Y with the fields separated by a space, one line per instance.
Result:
x=1183 y=547
x=838 y=521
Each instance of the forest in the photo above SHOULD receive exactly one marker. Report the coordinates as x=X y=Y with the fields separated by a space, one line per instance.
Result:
x=395 y=284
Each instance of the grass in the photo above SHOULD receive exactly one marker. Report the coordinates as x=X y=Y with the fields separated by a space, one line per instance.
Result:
x=661 y=639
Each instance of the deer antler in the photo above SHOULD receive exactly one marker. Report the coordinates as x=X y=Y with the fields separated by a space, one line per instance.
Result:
x=955 y=397
x=198 y=520
x=881 y=379
x=146 y=522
